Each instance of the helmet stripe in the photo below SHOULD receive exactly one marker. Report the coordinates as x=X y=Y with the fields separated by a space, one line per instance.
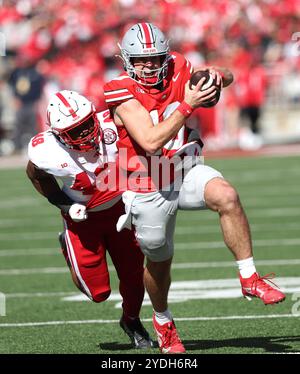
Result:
x=146 y=34
x=67 y=104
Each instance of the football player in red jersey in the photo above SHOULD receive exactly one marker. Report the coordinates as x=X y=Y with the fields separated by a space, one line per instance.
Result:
x=150 y=103
x=79 y=145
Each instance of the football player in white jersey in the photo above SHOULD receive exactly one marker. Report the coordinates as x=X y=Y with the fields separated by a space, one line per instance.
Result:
x=79 y=145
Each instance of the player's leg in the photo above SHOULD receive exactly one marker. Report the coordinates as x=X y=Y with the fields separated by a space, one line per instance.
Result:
x=154 y=217
x=221 y=197
x=128 y=260
x=63 y=246
x=205 y=187
x=87 y=257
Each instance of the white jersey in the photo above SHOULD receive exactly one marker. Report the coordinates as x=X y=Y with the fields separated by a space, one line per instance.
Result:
x=77 y=171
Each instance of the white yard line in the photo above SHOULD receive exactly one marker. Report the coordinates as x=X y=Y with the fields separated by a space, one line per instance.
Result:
x=269 y=192
x=108 y=321
x=50 y=270
x=21 y=295
x=19 y=202
x=29 y=236
x=22 y=222
x=180 y=230
x=220 y=244
x=206 y=229
x=217 y=289
x=180 y=291
x=185 y=217
x=30 y=252
x=178 y=266
x=225 y=264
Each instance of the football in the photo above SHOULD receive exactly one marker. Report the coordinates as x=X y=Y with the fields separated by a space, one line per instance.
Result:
x=209 y=81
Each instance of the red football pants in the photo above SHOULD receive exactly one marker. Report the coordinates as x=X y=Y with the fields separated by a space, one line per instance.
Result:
x=87 y=243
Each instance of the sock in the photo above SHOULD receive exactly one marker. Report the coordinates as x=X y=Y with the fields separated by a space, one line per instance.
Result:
x=246 y=267
x=127 y=318
x=163 y=317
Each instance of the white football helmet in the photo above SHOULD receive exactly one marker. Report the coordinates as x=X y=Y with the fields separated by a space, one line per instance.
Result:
x=73 y=120
x=145 y=39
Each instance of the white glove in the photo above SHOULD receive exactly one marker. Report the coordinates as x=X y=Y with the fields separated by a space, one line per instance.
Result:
x=124 y=220
x=78 y=212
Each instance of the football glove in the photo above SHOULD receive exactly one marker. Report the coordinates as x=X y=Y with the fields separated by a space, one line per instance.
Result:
x=78 y=212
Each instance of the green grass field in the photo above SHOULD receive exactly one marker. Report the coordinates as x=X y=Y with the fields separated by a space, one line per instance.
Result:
x=211 y=317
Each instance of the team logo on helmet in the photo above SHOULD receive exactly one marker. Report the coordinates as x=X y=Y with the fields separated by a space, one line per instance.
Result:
x=109 y=136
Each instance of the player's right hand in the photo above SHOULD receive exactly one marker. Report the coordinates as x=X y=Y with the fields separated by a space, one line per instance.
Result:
x=78 y=212
x=196 y=97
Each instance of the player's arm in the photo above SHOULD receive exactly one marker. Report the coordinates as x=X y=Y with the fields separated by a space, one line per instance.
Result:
x=47 y=186
x=139 y=124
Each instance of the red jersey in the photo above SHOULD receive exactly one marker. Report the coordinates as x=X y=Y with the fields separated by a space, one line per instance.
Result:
x=159 y=103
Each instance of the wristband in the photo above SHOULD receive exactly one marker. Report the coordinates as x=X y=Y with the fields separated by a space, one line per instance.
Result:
x=185 y=109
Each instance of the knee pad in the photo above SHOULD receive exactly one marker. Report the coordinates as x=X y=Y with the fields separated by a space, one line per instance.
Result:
x=150 y=237
x=154 y=244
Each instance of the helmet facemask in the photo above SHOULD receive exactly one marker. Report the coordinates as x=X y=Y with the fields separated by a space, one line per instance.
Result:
x=151 y=78
x=83 y=136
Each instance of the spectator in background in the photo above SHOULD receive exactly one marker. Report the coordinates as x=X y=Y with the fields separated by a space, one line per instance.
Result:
x=7 y=113
x=251 y=88
x=27 y=84
x=76 y=44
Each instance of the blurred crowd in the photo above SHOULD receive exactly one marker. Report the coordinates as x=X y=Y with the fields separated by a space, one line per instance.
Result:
x=50 y=45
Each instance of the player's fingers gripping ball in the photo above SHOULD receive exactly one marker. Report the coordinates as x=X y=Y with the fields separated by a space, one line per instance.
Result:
x=210 y=80
x=78 y=212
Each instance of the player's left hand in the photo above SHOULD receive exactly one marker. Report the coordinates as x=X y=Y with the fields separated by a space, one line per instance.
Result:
x=217 y=75
x=78 y=212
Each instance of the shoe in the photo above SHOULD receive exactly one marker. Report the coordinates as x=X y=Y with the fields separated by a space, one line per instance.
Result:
x=168 y=339
x=256 y=286
x=137 y=333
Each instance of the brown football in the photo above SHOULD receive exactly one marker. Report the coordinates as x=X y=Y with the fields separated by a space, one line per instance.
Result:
x=209 y=81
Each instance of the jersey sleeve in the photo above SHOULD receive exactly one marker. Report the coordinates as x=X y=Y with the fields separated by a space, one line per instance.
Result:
x=46 y=155
x=117 y=91
x=36 y=151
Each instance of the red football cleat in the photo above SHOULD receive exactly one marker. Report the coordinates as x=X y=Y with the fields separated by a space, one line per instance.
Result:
x=167 y=337
x=256 y=286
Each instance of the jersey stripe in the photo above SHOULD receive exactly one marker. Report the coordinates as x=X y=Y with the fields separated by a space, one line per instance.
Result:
x=121 y=78
x=119 y=98
x=106 y=93
x=67 y=104
x=72 y=257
